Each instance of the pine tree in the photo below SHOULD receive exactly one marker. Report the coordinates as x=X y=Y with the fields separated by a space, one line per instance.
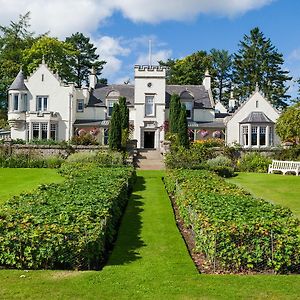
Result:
x=259 y=62
x=222 y=64
x=85 y=58
x=174 y=114
x=124 y=120
x=115 y=133
x=183 y=128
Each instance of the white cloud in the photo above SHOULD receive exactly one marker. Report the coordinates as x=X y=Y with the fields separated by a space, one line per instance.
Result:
x=68 y=16
x=295 y=54
x=143 y=58
x=110 y=49
x=156 y=11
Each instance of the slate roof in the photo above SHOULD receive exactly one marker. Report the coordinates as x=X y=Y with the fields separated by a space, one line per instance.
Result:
x=198 y=92
x=100 y=93
x=256 y=117
x=18 y=83
x=207 y=125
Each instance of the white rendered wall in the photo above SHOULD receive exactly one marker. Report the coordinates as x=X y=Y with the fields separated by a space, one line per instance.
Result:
x=144 y=76
x=232 y=128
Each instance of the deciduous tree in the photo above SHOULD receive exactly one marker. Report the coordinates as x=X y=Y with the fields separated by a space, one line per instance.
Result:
x=288 y=125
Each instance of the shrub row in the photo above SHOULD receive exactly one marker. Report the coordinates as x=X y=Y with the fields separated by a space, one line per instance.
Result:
x=30 y=161
x=235 y=231
x=67 y=225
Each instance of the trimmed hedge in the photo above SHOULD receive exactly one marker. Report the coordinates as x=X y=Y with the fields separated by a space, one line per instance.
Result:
x=68 y=225
x=235 y=231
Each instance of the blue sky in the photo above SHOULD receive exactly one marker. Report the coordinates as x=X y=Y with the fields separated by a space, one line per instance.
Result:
x=121 y=29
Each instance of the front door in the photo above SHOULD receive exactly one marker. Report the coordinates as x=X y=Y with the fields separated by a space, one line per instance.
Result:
x=149 y=139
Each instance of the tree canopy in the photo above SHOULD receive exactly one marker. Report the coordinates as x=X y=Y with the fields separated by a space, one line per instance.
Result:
x=259 y=62
x=57 y=54
x=84 y=59
x=14 y=39
x=288 y=125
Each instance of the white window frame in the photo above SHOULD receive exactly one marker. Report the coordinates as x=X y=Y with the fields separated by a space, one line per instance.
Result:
x=189 y=107
x=147 y=105
x=80 y=102
x=109 y=105
x=43 y=107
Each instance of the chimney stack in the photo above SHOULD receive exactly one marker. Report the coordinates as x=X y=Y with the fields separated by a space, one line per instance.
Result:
x=93 y=78
x=207 y=81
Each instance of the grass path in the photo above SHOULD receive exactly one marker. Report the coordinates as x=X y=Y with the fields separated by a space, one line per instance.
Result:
x=149 y=261
x=279 y=189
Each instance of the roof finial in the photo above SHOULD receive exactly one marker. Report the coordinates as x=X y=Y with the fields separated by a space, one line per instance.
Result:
x=43 y=60
x=256 y=87
x=207 y=73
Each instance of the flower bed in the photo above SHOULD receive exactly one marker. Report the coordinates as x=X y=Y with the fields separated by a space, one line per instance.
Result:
x=68 y=225
x=234 y=231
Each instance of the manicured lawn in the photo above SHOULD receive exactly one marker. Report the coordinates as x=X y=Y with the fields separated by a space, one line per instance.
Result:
x=149 y=261
x=15 y=181
x=283 y=190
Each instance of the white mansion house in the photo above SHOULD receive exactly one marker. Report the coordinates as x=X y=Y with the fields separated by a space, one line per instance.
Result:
x=44 y=107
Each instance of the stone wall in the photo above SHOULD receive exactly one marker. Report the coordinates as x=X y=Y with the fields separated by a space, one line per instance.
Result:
x=47 y=150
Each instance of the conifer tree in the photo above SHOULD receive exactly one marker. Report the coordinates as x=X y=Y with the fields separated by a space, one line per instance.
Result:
x=259 y=62
x=183 y=128
x=124 y=120
x=115 y=133
x=174 y=114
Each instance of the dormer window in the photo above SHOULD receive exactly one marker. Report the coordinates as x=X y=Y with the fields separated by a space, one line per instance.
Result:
x=187 y=99
x=110 y=106
x=42 y=103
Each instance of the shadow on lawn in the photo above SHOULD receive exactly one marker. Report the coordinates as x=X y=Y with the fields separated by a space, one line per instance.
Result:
x=129 y=241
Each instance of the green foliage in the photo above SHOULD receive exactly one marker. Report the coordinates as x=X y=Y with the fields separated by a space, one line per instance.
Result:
x=221 y=165
x=115 y=131
x=259 y=62
x=14 y=39
x=192 y=158
x=254 y=162
x=103 y=158
x=288 y=125
x=84 y=59
x=175 y=109
x=222 y=64
x=233 y=230
x=84 y=139
x=291 y=153
x=183 y=136
x=67 y=225
x=57 y=54
x=29 y=160
x=124 y=121
x=189 y=70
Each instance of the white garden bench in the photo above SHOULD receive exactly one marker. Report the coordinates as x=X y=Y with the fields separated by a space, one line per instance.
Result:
x=284 y=166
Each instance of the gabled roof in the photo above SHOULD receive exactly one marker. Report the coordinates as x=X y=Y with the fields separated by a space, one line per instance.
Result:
x=256 y=117
x=199 y=93
x=18 y=84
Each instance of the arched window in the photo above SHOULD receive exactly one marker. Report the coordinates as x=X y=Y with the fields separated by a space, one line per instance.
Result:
x=111 y=98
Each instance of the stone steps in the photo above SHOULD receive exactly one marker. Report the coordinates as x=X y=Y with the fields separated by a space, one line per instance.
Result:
x=149 y=160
